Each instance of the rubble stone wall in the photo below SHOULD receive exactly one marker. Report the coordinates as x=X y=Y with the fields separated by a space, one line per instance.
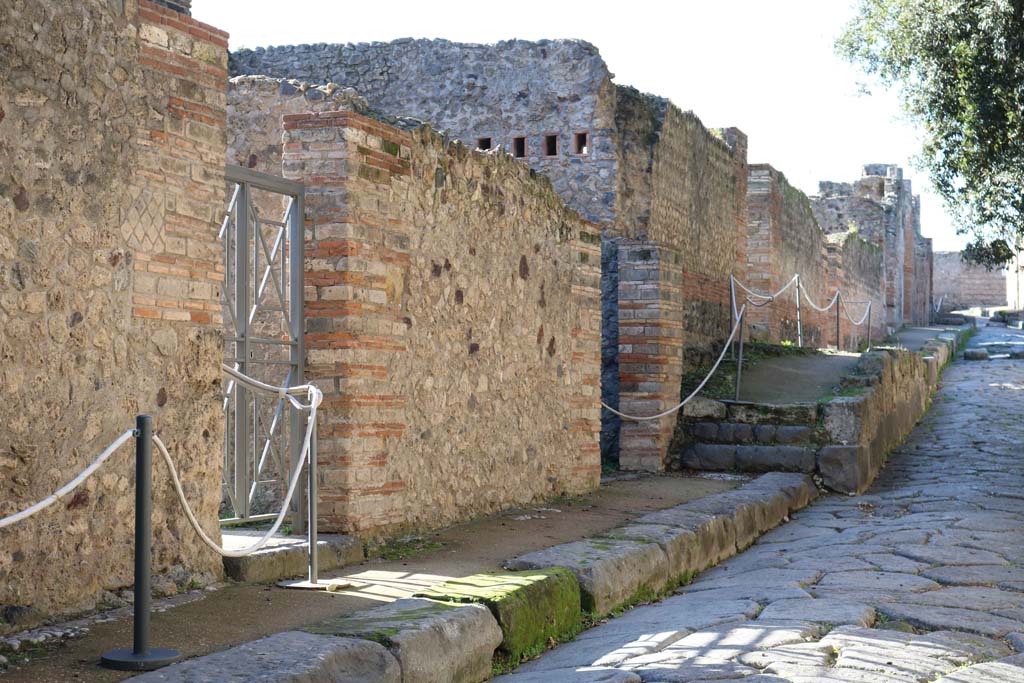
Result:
x=424 y=256
x=112 y=132
x=511 y=89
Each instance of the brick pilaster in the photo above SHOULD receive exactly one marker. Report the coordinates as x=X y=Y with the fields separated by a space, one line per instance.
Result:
x=650 y=349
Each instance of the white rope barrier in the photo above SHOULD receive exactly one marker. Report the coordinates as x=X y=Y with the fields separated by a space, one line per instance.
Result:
x=769 y=297
x=938 y=306
x=63 y=491
x=315 y=396
x=639 y=418
x=818 y=308
x=867 y=312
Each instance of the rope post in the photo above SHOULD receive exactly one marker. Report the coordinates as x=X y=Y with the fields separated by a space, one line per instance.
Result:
x=739 y=361
x=869 y=325
x=732 y=312
x=799 y=322
x=314 y=569
x=141 y=657
x=839 y=305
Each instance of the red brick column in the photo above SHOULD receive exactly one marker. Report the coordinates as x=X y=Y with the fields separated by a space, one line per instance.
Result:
x=650 y=350
x=356 y=259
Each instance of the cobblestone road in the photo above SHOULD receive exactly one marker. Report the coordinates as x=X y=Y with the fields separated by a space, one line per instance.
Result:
x=921 y=579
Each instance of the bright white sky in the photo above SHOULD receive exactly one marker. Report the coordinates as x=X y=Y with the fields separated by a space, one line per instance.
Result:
x=765 y=66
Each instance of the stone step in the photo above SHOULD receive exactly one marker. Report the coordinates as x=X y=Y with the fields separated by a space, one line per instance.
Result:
x=285 y=556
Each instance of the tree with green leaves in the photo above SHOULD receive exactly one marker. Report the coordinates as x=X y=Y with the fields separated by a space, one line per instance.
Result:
x=959 y=69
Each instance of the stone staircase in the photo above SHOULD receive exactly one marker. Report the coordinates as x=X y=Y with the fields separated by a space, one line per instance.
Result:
x=749 y=437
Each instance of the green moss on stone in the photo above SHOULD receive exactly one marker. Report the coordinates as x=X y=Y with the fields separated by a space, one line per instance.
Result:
x=533 y=608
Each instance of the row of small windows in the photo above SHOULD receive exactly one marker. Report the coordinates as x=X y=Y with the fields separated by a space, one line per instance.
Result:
x=550 y=145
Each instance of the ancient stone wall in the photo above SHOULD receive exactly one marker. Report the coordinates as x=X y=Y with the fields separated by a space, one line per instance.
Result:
x=855 y=266
x=882 y=209
x=112 y=132
x=960 y=285
x=512 y=89
x=783 y=240
x=424 y=255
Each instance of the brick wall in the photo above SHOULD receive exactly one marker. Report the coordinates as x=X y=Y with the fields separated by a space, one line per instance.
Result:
x=961 y=285
x=113 y=125
x=423 y=255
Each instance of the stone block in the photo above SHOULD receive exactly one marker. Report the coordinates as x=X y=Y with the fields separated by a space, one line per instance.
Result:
x=288 y=657
x=798 y=489
x=768 y=458
x=531 y=607
x=716 y=534
x=845 y=469
x=434 y=642
x=756 y=414
x=742 y=432
x=705 y=431
x=610 y=572
x=287 y=556
x=704 y=408
x=787 y=434
x=976 y=354
x=680 y=545
x=764 y=433
x=713 y=457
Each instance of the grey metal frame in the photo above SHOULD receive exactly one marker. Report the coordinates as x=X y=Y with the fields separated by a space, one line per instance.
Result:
x=244 y=249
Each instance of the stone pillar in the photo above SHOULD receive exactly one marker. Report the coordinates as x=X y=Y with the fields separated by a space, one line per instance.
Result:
x=650 y=349
x=357 y=258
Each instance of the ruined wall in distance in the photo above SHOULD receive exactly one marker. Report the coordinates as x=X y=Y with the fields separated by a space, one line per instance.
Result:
x=961 y=285
x=112 y=128
x=424 y=255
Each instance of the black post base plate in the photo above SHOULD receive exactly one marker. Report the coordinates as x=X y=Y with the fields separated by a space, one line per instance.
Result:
x=127 y=660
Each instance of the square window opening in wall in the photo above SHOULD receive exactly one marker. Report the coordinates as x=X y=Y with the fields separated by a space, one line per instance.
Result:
x=551 y=145
x=483 y=144
x=581 y=143
x=519 y=147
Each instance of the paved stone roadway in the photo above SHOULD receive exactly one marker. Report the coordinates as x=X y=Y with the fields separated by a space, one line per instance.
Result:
x=921 y=579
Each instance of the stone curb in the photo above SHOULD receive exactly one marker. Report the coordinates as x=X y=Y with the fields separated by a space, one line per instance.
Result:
x=659 y=550
x=288 y=657
x=290 y=558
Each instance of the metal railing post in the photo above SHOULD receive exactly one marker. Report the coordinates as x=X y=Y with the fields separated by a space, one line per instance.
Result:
x=839 y=304
x=869 y=325
x=732 y=312
x=141 y=657
x=799 y=321
x=739 y=360
x=314 y=569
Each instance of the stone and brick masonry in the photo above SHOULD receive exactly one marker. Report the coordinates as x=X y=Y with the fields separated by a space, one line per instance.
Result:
x=960 y=285
x=112 y=135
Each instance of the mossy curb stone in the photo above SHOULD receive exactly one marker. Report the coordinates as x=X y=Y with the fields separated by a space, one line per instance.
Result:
x=531 y=607
x=611 y=572
x=433 y=641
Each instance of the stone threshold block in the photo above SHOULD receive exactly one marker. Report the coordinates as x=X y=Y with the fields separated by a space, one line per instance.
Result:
x=433 y=642
x=531 y=607
x=661 y=549
x=286 y=556
x=288 y=657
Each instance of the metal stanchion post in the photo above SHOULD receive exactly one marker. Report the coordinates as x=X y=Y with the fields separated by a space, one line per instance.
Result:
x=799 y=321
x=739 y=361
x=141 y=657
x=839 y=303
x=314 y=569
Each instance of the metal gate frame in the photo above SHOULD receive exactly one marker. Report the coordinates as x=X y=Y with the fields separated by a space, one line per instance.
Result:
x=242 y=438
